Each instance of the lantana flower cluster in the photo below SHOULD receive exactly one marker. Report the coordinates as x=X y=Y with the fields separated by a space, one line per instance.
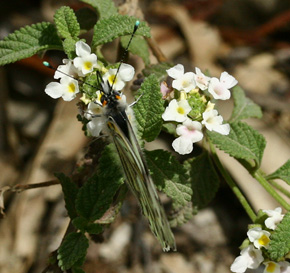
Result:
x=190 y=106
x=78 y=72
x=254 y=253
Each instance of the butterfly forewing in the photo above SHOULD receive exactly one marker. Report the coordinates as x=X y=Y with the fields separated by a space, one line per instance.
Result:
x=139 y=180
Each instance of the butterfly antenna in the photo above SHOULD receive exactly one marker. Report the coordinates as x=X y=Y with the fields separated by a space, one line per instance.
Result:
x=48 y=65
x=125 y=52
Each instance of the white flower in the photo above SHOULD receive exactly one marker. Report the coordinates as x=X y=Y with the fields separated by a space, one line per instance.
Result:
x=176 y=111
x=214 y=122
x=125 y=74
x=85 y=62
x=201 y=80
x=189 y=132
x=219 y=88
x=260 y=238
x=67 y=88
x=66 y=69
x=95 y=114
x=271 y=267
x=182 y=81
x=284 y=267
x=250 y=258
x=275 y=217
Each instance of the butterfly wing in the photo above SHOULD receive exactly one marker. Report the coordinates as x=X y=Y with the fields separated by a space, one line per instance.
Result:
x=139 y=180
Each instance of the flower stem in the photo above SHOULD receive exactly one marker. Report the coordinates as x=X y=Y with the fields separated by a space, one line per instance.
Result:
x=233 y=185
x=279 y=188
x=266 y=185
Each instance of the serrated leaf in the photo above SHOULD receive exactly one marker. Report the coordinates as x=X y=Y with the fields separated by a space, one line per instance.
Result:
x=70 y=191
x=80 y=223
x=169 y=176
x=159 y=70
x=87 y=18
x=181 y=215
x=72 y=250
x=96 y=195
x=69 y=46
x=108 y=29
x=282 y=173
x=105 y=8
x=149 y=109
x=244 y=107
x=66 y=22
x=27 y=41
x=280 y=239
x=138 y=47
x=204 y=183
x=243 y=142
x=94 y=228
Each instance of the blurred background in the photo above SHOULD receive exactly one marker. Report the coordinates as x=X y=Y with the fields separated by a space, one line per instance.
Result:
x=39 y=136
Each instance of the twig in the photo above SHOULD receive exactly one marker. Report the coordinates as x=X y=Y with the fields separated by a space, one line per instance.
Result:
x=156 y=50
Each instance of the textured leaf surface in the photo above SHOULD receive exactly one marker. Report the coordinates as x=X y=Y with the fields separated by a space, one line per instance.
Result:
x=181 y=215
x=107 y=30
x=204 y=179
x=70 y=191
x=282 y=173
x=169 y=176
x=27 y=41
x=244 y=107
x=159 y=70
x=280 y=239
x=95 y=197
x=69 y=46
x=66 y=22
x=149 y=109
x=138 y=47
x=243 y=142
x=72 y=250
x=105 y=8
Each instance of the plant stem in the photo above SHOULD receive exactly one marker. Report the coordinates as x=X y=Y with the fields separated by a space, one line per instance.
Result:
x=279 y=188
x=266 y=185
x=233 y=185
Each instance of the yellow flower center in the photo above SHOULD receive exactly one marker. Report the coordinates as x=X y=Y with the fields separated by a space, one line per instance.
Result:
x=111 y=79
x=271 y=267
x=180 y=110
x=88 y=65
x=71 y=88
x=264 y=240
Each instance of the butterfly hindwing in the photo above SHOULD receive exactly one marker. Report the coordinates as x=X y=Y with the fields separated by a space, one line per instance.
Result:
x=139 y=180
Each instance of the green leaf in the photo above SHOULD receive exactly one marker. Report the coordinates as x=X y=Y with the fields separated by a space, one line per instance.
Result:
x=66 y=23
x=244 y=107
x=72 y=250
x=94 y=228
x=105 y=8
x=138 y=47
x=280 y=239
x=106 y=30
x=243 y=142
x=27 y=41
x=96 y=195
x=159 y=70
x=80 y=223
x=181 y=215
x=204 y=179
x=282 y=173
x=169 y=176
x=149 y=109
x=69 y=46
x=70 y=191
x=87 y=18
